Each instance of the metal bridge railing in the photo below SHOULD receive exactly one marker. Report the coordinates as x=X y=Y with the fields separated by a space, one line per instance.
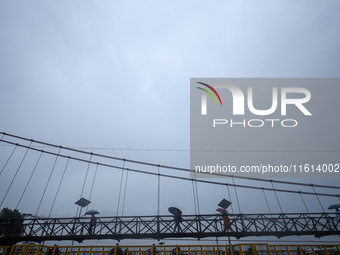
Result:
x=238 y=249
x=158 y=227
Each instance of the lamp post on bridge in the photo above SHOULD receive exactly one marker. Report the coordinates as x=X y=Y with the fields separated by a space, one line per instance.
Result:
x=225 y=204
x=82 y=202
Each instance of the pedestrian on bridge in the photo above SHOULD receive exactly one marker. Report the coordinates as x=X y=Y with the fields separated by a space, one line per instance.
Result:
x=226 y=221
x=337 y=213
x=177 y=217
x=93 y=222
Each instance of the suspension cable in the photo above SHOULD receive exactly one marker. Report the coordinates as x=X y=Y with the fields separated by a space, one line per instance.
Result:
x=163 y=166
x=29 y=180
x=238 y=203
x=312 y=185
x=120 y=189
x=265 y=197
x=126 y=181
x=3 y=135
x=183 y=178
x=159 y=191
x=194 y=194
x=277 y=198
x=48 y=181
x=197 y=202
x=15 y=174
x=232 y=207
x=304 y=202
x=56 y=194
x=94 y=178
x=16 y=146
x=87 y=172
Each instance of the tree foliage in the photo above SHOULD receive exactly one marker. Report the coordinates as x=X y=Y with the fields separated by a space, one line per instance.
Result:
x=11 y=226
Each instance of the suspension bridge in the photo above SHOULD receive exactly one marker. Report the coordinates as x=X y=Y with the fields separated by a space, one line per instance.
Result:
x=21 y=159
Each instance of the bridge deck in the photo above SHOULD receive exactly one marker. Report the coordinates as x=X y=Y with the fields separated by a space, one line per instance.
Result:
x=158 y=227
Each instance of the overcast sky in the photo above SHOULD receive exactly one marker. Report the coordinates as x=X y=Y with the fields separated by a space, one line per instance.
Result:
x=116 y=75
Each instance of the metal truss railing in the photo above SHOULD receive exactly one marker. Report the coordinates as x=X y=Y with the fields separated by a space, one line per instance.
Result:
x=158 y=227
x=237 y=249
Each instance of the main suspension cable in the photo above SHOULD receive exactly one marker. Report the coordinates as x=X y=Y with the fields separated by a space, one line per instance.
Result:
x=164 y=166
x=183 y=178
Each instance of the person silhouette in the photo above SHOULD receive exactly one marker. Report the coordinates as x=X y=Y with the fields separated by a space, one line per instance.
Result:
x=177 y=219
x=337 y=213
x=93 y=222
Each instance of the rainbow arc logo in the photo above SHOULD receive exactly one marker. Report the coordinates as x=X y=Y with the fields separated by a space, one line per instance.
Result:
x=209 y=93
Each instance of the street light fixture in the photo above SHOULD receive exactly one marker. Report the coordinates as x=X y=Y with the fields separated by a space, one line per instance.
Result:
x=225 y=204
x=82 y=202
